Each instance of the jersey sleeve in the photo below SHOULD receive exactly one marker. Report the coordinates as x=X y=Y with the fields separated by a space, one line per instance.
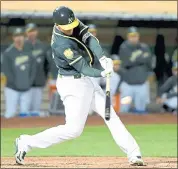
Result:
x=90 y=41
x=7 y=68
x=165 y=87
x=75 y=59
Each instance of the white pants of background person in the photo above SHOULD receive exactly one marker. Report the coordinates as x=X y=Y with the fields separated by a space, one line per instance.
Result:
x=14 y=98
x=36 y=99
x=139 y=95
x=171 y=102
x=79 y=97
x=114 y=82
x=148 y=92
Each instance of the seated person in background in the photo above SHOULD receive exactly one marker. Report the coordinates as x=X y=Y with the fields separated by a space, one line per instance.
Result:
x=20 y=70
x=136 y=63
x=167 y=95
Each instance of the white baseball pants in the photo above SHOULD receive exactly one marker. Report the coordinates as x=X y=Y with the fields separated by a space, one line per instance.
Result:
x=79 y=97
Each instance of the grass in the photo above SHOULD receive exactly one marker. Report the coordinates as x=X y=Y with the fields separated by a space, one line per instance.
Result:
x=154 y=141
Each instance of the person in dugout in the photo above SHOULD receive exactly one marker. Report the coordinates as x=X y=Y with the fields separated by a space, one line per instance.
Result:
x=39 y=52
x=136 y=64
x=167 y=94
x=20 y=70
x=53 y=72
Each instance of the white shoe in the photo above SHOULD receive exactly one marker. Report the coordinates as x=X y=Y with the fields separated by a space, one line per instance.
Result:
x=20 y=153
x=136 y=161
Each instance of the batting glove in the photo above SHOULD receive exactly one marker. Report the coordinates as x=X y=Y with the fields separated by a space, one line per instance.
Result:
x=107 y=71
x=106 y=63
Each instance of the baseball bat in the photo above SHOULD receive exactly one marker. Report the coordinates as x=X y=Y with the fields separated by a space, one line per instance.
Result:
x=108 y=99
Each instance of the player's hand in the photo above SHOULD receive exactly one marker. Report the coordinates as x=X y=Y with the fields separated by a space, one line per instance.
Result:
x=105 y=72
x=106 y=63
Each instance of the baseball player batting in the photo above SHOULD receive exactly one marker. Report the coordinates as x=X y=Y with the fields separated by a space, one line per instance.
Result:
x=74 y=50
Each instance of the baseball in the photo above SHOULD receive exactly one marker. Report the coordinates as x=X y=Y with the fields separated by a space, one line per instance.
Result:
x=126 y=100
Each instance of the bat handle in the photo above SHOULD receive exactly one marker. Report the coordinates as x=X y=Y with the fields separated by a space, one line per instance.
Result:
x=107 y=108
x=107 y=114
x=108 y=83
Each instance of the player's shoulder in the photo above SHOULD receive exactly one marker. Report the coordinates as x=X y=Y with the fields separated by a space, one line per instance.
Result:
x=82 y=27
x=63 y=43
x=61 y=48
x=9 y=49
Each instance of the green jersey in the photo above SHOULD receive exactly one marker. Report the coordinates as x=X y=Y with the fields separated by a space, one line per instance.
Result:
x=75 y=54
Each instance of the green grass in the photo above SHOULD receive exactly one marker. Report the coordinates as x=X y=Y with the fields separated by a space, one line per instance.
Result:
x=154 y=140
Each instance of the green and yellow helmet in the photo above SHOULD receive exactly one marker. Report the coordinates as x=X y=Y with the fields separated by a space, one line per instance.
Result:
x=65 y=18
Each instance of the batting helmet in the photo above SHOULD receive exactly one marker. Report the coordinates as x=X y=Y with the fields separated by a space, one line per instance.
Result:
x=65 y=18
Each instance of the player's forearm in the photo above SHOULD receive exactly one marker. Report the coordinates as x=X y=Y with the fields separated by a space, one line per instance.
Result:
x=82 y=67
x=92 y=72
x=164 y=89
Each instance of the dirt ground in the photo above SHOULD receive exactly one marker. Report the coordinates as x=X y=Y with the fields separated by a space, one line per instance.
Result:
x=92 y=120
x=87 y=162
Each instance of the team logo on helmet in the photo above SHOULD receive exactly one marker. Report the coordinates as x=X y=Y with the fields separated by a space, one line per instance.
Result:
x=70 y=20
x=68 y=53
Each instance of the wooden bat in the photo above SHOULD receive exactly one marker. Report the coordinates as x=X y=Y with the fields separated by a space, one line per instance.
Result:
x=108 y=99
